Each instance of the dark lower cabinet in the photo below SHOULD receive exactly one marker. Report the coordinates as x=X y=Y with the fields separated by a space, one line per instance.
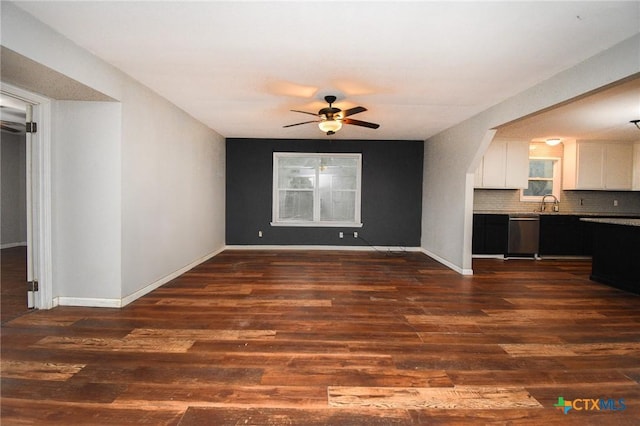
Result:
x=560 y=235
x=616 y=257
x=564 y=235
x=490 y=233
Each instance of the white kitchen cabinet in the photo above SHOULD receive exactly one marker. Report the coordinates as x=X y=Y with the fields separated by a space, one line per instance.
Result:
x=517 y=171
x=596 y=165
x=494 y=164
x=618 y=166
x=505 y=165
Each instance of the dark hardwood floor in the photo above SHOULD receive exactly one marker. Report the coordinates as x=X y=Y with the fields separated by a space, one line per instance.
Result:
x=13 y=283
x=341 y=338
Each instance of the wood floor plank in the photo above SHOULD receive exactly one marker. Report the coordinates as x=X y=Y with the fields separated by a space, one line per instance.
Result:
x=200 y=334
x=199 y=288
x=21 y=411
x=222 y=395
x=242 y=303
x=111 y=344
x=466 y=323
x=628 y=348
x=70 y=391
x=344 y=376
x=458 y=397
x=170 y=373
x=428 y=361
x=558 y=314
x=485 y=336
x=569 y=303
x=34 y=319
x=560 y=378
x=38 y=370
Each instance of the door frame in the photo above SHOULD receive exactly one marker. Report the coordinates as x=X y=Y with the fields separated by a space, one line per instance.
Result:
x=41 y=172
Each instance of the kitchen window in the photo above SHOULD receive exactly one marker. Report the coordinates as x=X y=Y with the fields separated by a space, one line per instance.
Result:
x=316 y=189
x=544 y=178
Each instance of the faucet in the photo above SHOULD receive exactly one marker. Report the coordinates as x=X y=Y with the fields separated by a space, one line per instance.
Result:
x=543 y=203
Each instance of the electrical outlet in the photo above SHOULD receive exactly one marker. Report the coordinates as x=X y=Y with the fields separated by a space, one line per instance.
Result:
x=355 y=234
x=259 y=234
x=341 y=234
x=615 y=203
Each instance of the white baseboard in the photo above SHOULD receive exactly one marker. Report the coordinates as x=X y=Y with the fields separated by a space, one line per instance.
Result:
x=310 y=247
x=119 y=303
x=488 y=256
x=12 y=245
x=461 y=271
x=88 y=302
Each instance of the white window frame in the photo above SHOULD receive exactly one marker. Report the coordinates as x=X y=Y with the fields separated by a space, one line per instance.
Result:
x=557 y=183
x=357 y=223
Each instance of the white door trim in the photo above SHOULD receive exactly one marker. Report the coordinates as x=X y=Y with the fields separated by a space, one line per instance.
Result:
x=42 y=172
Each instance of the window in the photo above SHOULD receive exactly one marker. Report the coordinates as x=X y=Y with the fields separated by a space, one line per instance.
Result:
x=316 y=189
x=544 y=178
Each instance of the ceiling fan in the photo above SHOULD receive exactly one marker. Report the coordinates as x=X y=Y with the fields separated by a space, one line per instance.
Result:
x=330 y=119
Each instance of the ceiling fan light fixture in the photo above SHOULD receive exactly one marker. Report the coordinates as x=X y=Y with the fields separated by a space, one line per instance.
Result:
x=330 y=119
x=328 y=126
x=553 y=141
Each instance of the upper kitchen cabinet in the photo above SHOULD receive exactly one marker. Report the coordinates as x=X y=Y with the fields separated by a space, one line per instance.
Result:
x=595 y=165
x=505 y=165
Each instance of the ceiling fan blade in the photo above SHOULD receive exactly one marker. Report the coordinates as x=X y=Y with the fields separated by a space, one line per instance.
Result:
x=354 y=110
x=304 y=112
x=304 y=122
x=360 y=123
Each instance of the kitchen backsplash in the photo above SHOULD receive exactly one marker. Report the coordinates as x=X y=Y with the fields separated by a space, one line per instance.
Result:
x=508 y=200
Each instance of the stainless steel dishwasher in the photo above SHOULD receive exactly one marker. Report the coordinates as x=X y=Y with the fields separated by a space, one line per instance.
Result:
x=524 y=234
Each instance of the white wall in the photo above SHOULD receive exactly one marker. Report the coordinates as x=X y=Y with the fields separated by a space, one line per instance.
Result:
x=13 y=230
x=163 y=174
x=445 y=192
x=86 y=204
x=173 y=199
x=452 y=156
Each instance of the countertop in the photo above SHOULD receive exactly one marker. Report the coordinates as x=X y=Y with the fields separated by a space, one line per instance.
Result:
x=614 y=221
x=561 y=213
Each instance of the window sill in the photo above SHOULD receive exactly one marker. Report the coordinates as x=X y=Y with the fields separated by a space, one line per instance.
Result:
x=318 y=224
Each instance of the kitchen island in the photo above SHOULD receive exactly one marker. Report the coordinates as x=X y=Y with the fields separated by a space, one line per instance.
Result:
x=616 y=252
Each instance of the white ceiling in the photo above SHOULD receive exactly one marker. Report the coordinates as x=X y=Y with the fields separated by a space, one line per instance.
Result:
x=604 y=115
x=419 y=67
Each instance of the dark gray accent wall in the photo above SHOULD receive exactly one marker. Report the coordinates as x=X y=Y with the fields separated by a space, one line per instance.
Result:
x=391 y=207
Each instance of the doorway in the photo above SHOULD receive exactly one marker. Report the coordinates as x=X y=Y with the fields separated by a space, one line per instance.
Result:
x=26 y=223
x=14 y=217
